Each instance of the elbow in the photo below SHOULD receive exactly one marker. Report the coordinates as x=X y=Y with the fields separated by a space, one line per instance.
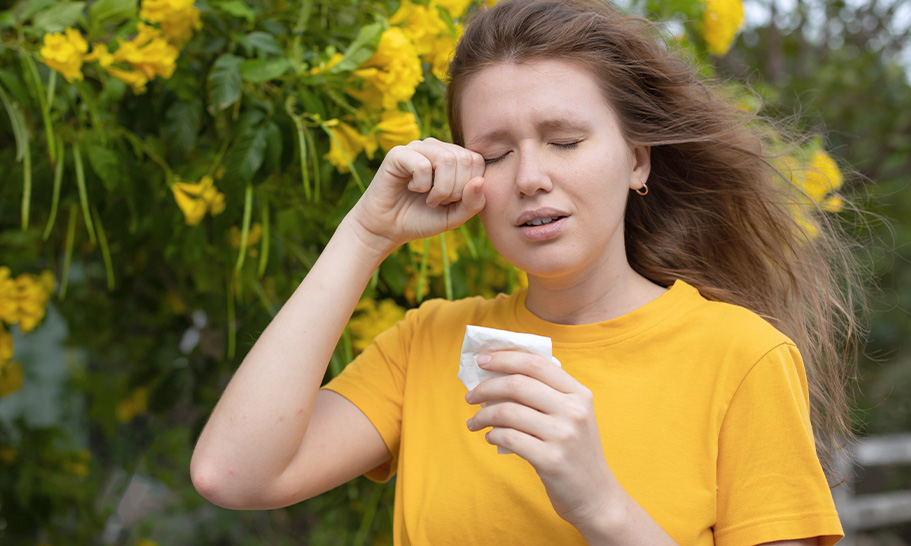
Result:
x=207 y=480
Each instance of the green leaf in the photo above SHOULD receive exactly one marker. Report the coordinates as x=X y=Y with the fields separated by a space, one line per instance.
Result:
x=237 y=9
x=181 y=125
x=361 y=49
x=24 y=9
x=105 y=163
x=273 y=146
x=224 y=82
x=105 y=12
x=246 y=156
x=260 y=43
x=14 y=86
x=263 y=70
x=58 y=17
x=17 y=121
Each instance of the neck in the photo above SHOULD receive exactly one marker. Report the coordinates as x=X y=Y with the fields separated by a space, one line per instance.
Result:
x=591 y=299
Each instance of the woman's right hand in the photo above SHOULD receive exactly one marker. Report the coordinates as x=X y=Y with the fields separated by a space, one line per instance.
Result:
x=420 y=190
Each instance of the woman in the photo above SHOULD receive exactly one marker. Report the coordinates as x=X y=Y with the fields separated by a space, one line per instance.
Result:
x=679 y=415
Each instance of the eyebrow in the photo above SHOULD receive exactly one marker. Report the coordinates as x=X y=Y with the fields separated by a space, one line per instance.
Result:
x=547 y=125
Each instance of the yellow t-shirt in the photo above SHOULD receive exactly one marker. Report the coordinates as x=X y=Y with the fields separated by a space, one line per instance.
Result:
x=702 y=408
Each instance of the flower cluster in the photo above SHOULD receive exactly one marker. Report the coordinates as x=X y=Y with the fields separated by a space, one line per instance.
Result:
x=195 y=200
x=65 y=52
x=23 y=301
x=818 y=179
x=721 y=22
x=138 y=61
x=152 y=52
x=434 y=39
x=346 y=142
x=372 y=318
x=417 y=33
x=179 y=19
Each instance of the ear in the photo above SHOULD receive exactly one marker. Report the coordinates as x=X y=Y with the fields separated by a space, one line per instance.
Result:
x=642 y=166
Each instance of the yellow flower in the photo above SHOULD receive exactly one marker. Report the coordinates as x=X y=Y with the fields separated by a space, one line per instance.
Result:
x=235 y=235
x=179 y=18
x=396 y=128
x=421 y=24
x=822 y=179
x=454 y=242
x=346 y=144
x=138 y=61
x=442 y=51
x=391 y=74
x=10 y=378
x=32 y=294
x=323 y=67
x=136 y=403
x=9 y=297
x=456 y=8
x=6 y=346
x=197 y=199
x=371 y=319
x=721 y=22
x=64 y=53
x=8 y=455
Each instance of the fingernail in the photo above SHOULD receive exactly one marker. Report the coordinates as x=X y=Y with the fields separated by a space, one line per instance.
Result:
x=483 y=359
x=468 y=396
x=433 y=204
x=468 y=424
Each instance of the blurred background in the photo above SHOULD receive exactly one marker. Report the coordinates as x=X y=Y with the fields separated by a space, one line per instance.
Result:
x=170 y=170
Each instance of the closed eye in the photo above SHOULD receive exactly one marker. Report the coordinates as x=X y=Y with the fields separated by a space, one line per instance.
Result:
x=567 y=145
x=492 y=160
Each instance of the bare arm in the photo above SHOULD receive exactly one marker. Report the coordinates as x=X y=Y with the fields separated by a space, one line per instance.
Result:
x=272 y=440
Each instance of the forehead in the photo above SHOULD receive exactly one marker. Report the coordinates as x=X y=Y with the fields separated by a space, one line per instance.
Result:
x=547 y=93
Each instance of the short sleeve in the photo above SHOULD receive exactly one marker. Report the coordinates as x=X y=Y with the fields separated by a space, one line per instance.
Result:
x=375 y=383
x=770 y=483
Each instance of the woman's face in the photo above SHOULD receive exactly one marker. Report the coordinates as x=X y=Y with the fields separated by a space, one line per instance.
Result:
x=558 y=168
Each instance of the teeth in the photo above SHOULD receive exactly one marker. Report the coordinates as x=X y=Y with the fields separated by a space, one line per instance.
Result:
x=540 y=221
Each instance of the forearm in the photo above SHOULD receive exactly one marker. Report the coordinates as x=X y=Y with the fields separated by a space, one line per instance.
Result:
x=624 y=523
x=260 y=421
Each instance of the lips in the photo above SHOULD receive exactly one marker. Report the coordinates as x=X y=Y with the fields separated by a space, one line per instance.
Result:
x=539 y=217
x=541 y=224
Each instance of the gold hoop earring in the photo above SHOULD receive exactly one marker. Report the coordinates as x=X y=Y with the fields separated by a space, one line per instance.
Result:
x=643 y=190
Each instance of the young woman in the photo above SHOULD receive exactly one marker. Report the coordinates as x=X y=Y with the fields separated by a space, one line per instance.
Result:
x=681 y=413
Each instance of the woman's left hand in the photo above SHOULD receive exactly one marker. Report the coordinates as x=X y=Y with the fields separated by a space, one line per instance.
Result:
x=539 y=412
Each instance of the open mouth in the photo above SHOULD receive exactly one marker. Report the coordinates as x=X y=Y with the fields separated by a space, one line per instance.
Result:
x=543 y=221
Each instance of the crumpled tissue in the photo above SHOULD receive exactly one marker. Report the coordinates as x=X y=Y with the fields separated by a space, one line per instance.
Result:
x=480 y=340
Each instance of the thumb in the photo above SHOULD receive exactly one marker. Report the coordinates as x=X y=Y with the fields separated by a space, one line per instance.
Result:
x=473 y=199
x=472 y=202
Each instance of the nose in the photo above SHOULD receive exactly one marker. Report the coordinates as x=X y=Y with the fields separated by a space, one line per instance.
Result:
x=532 y=175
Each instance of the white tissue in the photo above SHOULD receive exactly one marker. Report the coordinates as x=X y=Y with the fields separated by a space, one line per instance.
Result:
x=481 y=341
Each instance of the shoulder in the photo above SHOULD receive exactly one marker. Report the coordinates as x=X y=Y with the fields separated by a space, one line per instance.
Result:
x=471 y=310
x=727 y=332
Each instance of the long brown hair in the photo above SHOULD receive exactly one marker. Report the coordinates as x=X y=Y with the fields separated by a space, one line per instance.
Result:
x=719 y=214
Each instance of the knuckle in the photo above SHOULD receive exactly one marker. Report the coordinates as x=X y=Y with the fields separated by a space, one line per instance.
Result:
x=577 y=414
x=514 y=382
x=447 y=160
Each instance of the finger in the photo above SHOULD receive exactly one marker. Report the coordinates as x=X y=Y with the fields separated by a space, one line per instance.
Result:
x=466 y=170
x=522 y=444
x=518 y=388
x=513 y=415
x=532 y=365
x=445 y=170
x=472 y=202
x=407 y=162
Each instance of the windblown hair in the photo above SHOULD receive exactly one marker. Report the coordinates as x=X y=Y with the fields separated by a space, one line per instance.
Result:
x=719 y=215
